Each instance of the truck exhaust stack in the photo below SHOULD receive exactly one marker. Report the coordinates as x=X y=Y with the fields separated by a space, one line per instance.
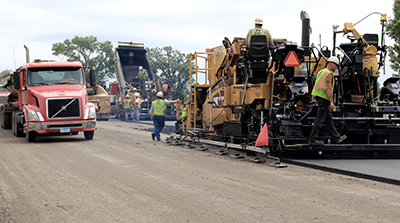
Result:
x=27 y=53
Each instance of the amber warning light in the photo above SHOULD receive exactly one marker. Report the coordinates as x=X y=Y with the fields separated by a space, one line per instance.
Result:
x=292 y=60
x=383 y=17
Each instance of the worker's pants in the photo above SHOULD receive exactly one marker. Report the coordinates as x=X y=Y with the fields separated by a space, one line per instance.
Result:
x=159 y=122
x=127 y=111
x=324 y=116
x=137 y=111
x=143 y=84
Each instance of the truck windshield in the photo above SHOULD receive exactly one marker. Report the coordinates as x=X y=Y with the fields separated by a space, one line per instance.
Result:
x=55 y=76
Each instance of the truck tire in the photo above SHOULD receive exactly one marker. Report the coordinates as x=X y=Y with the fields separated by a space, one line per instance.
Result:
x=13 y=124
x=17 y=125
x=30 y=136
x=5 y=120
x=89 y=135
x=2 y=116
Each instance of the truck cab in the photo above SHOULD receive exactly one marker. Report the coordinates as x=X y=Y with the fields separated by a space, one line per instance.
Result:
x=48 y=97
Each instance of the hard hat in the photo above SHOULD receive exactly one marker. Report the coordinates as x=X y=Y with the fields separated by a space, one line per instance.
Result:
x=134 y=89
x=258 y=21
x=140 y=67
x=127 y=96
x=160 y=94
x=334 y=60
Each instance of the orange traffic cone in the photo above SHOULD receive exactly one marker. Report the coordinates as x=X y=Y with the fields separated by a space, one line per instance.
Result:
x=262 y=139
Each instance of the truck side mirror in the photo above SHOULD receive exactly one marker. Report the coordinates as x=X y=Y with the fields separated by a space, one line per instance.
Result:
x=16 y=80
x=92 y=77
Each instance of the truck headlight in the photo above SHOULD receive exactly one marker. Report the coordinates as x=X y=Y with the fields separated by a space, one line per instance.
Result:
x=90 y=113
x=34 y=116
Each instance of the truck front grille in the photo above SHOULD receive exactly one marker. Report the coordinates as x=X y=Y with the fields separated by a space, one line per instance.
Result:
x=63 y=108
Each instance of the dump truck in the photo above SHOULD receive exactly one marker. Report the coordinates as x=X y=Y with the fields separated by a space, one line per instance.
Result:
x=128 y=58
x=48 y=97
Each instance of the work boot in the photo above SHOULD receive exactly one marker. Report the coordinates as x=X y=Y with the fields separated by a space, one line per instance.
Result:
x=316 y=142
x=341 y=139
x=153 y=136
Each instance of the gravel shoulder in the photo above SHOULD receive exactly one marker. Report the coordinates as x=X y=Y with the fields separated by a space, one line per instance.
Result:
x=123 y=176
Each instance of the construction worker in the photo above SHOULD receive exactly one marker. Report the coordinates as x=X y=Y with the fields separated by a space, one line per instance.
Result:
x=142 y=75
x=128 y=108
x=68 y=78
x=158 y=113
x=258 y=30
x=137 y=104
x=184 y=113
x=135 y=93
x=323 y=92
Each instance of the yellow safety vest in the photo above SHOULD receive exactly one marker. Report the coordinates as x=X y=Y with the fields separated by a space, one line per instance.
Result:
x=320 y=86
x=184 y=113
x=127 y=103
x=138 y=102
x=142 y=74
x=256 y=31
x=159 y=107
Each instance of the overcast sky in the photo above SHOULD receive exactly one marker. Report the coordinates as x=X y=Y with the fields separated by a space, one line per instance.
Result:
x=187 y=26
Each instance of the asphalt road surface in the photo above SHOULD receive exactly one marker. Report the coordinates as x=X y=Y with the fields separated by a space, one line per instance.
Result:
x=123 y=176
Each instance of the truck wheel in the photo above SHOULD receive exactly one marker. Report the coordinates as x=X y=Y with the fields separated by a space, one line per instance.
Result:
x=17 y=125
x=88 y=134
x=2 y=116
x=5 y=120
x=30 y=136
x=13 y=124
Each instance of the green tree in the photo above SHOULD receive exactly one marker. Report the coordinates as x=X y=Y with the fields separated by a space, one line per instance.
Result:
x=4 y=72
x=393 y=30
x=168 y=63
x=91 y=53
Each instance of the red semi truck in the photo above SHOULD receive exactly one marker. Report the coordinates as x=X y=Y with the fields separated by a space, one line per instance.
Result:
x=48 y=97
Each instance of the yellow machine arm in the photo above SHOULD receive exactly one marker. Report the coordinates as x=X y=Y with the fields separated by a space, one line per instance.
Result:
x=367 y=49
